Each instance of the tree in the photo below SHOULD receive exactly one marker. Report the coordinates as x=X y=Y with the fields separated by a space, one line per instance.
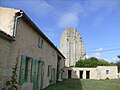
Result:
x=118 y=65
x=80 y=63
x=92 y=62
x=102 y=62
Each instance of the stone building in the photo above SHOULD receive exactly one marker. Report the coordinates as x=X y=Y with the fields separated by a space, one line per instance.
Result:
x=100 y=72
x=39 y=61
x=72 y=47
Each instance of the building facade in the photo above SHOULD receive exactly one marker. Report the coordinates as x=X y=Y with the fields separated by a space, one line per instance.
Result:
x=39 y=61
x=100 y=72
x=72 y=47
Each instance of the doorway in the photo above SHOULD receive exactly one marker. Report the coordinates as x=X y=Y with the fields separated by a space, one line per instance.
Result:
x=81 y=74
x=37 y=74
x=87 y=74
x=69 y=73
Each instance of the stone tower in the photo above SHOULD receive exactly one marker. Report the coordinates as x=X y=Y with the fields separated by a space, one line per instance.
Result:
x=72 y=47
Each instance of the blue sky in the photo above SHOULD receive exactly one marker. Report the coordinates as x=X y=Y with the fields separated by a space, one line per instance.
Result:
x=97 y=21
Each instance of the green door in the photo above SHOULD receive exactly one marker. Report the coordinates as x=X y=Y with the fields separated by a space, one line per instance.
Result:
x=37 y=74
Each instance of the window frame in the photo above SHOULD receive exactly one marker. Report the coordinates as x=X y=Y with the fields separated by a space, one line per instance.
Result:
x=28 y=66
x=49 y=70
x=40 y=42
x=107 y=71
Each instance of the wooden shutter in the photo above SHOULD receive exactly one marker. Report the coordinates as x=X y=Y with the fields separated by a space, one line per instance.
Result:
x=34 y=74
x=22 y=70
x=54 y=73
x=32 y=70
x=42 y=75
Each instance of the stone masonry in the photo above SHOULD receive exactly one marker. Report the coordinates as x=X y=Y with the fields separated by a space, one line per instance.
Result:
x=72 y=47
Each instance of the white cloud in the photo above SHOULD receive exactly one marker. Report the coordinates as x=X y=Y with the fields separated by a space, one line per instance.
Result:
x=87 y=56
x=70 y=14
x=68 y=20
x=77 y=10
x=97 y=54
x=49 y=32
x=99 y=49
x=38 y=7
x=107 y=6
x=41 y=8
x=115 y=59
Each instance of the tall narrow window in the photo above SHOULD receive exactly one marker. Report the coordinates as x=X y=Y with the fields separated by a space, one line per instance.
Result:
x=53 y=53
x=40 y=42
x=27 y=69
x=49 y=70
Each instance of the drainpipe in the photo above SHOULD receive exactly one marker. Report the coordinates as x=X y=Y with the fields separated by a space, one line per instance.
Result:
x=15 y=25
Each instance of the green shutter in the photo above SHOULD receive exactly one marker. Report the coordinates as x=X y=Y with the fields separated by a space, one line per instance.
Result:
x=48 y=71
x=34 y=74
x=54 y=75
x=22 y=70
x=32 y=70
x=42 y=75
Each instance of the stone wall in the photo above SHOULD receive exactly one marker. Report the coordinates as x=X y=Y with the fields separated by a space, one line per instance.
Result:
x=5 y=50
x=95 y=73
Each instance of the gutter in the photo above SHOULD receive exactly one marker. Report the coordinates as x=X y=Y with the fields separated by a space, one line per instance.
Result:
x=15 y=25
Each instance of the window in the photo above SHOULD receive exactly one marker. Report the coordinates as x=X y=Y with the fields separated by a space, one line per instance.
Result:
x=49 y=70
x=40 y=42
x=53 y=52
x=25 y=69
x=107 y=71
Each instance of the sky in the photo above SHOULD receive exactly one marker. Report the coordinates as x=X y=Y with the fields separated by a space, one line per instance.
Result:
x=97 y=21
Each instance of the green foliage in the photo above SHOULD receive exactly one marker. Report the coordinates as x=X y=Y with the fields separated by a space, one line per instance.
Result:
x=118 y=65
x=92 y=62
x=80 y=63
x=103 y=63
x=107 y=78
x=12 y=84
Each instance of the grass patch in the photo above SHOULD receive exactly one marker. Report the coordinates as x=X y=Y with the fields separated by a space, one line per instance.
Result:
x=76 y=84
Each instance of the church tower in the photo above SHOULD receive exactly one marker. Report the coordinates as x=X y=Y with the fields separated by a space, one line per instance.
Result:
x=72 y=47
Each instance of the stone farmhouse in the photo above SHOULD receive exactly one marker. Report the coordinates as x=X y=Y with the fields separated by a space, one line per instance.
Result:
x=40 y=63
